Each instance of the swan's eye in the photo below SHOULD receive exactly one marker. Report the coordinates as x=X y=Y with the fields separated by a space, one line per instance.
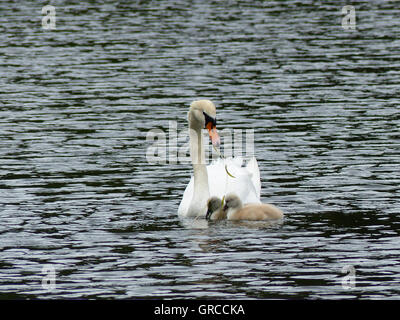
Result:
x=209 y=119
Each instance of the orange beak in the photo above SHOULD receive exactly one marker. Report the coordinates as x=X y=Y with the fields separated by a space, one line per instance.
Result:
x=212 y=131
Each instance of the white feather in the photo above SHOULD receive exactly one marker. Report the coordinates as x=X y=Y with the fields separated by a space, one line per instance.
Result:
x=246 y=182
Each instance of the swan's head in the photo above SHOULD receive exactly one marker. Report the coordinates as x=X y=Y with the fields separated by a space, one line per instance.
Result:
x=203 y=114
x=214 y=205
x=232 y=201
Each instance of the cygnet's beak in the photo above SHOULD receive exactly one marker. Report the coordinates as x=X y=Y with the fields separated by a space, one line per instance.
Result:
x=212 y=131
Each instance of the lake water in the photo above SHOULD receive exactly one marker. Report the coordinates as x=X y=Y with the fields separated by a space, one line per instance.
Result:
x=80 y=201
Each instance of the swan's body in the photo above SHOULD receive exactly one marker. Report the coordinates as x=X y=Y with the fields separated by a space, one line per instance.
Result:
x=213 y=180
x=234 y=210
x=246 y=183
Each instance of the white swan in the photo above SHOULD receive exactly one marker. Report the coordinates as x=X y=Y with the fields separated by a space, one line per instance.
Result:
x=213 y=180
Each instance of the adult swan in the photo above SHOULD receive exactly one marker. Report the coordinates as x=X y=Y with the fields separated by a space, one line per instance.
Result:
x=213 y=180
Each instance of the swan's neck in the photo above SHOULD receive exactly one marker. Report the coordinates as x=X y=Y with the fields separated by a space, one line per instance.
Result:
x=196 y=145
x=201 y=190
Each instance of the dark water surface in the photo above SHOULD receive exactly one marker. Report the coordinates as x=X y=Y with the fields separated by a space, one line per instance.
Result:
x=78 y=194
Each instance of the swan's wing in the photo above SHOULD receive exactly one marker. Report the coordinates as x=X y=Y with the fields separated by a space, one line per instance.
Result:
x=237 y=161
x=252 y=167
x=217 y=178
x=242 y=184
x=246 y=184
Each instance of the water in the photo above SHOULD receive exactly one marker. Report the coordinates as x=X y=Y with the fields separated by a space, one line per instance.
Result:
x=78 y=195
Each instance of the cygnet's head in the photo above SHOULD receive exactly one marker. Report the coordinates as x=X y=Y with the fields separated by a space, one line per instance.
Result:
x=203 y=114
x=213 y=206
x=232 y=201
